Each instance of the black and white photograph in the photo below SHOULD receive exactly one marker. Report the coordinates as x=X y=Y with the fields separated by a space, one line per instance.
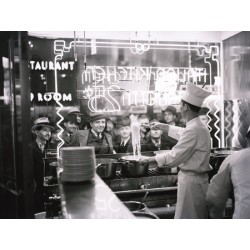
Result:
x=124 y=125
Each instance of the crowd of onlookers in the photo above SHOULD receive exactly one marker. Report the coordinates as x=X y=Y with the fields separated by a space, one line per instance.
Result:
x=101 y=126
x=46 y=137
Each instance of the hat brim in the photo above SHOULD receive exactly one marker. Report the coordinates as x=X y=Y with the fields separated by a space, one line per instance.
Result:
x=35 y=127
x=169 y=110
x=92 y=119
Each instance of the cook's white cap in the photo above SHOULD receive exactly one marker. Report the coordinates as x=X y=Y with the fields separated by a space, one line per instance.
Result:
x=195 y=95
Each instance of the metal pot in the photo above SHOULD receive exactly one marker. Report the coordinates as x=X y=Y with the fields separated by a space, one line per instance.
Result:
x=133 y=206
x=106 y=168
x=133 y=168
x=162 y=170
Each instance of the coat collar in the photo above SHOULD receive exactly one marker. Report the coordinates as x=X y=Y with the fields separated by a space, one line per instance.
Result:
x=193 y=122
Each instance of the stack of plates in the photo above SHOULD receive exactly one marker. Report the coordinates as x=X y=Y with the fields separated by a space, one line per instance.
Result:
x=78 y=164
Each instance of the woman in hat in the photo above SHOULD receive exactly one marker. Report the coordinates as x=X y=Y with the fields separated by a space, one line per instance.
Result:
x=95 y=136
x=191 y=154
x=42 y=131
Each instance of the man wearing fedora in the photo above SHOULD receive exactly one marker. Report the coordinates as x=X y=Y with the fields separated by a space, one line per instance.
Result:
x=95 y=136
x=191 y=154
x=42 y=131
x=71 y=123
x=169 y=116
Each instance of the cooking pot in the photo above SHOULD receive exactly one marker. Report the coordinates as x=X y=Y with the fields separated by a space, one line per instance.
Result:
x=132 y=167
x=133 y=206
x=163 y=170
x=106 y=168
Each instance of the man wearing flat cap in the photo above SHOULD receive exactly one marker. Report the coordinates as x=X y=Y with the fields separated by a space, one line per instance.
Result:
x=95 y=136
x=42 y=129
x=124 y=141
x=191 y=154
x=156 y=141
x=71 y=123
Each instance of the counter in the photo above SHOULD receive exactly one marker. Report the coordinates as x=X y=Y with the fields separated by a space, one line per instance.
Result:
x=91 y=200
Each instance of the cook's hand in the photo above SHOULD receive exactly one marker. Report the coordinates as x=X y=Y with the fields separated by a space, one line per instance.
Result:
x=161 y=126
x=144 y=159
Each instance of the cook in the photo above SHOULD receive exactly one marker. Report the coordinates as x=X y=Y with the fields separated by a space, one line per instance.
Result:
x=191 y=154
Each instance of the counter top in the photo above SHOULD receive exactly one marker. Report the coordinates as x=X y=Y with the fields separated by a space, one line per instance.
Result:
x=91 y=200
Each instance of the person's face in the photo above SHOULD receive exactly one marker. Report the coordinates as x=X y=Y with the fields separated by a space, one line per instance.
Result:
x=110 y=126
x=169 y=117
x=44 y=133
x=70 y=127
x=203 y=119
x=54 y=136
x=155 y=133
x=144 y=124
x=98 y=125
x=125 y=131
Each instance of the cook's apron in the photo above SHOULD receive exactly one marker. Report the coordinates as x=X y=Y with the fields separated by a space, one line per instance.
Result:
x=191 y=195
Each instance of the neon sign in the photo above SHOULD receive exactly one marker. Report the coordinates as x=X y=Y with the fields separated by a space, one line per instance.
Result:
x=235 y=109
x=101 y=83
x=102 y=74
x=44 y=65
x=50 y=96
x=140 y=47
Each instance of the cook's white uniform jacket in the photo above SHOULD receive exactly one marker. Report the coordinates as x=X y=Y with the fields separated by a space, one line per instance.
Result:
x=234 y=172
x=191 y=154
